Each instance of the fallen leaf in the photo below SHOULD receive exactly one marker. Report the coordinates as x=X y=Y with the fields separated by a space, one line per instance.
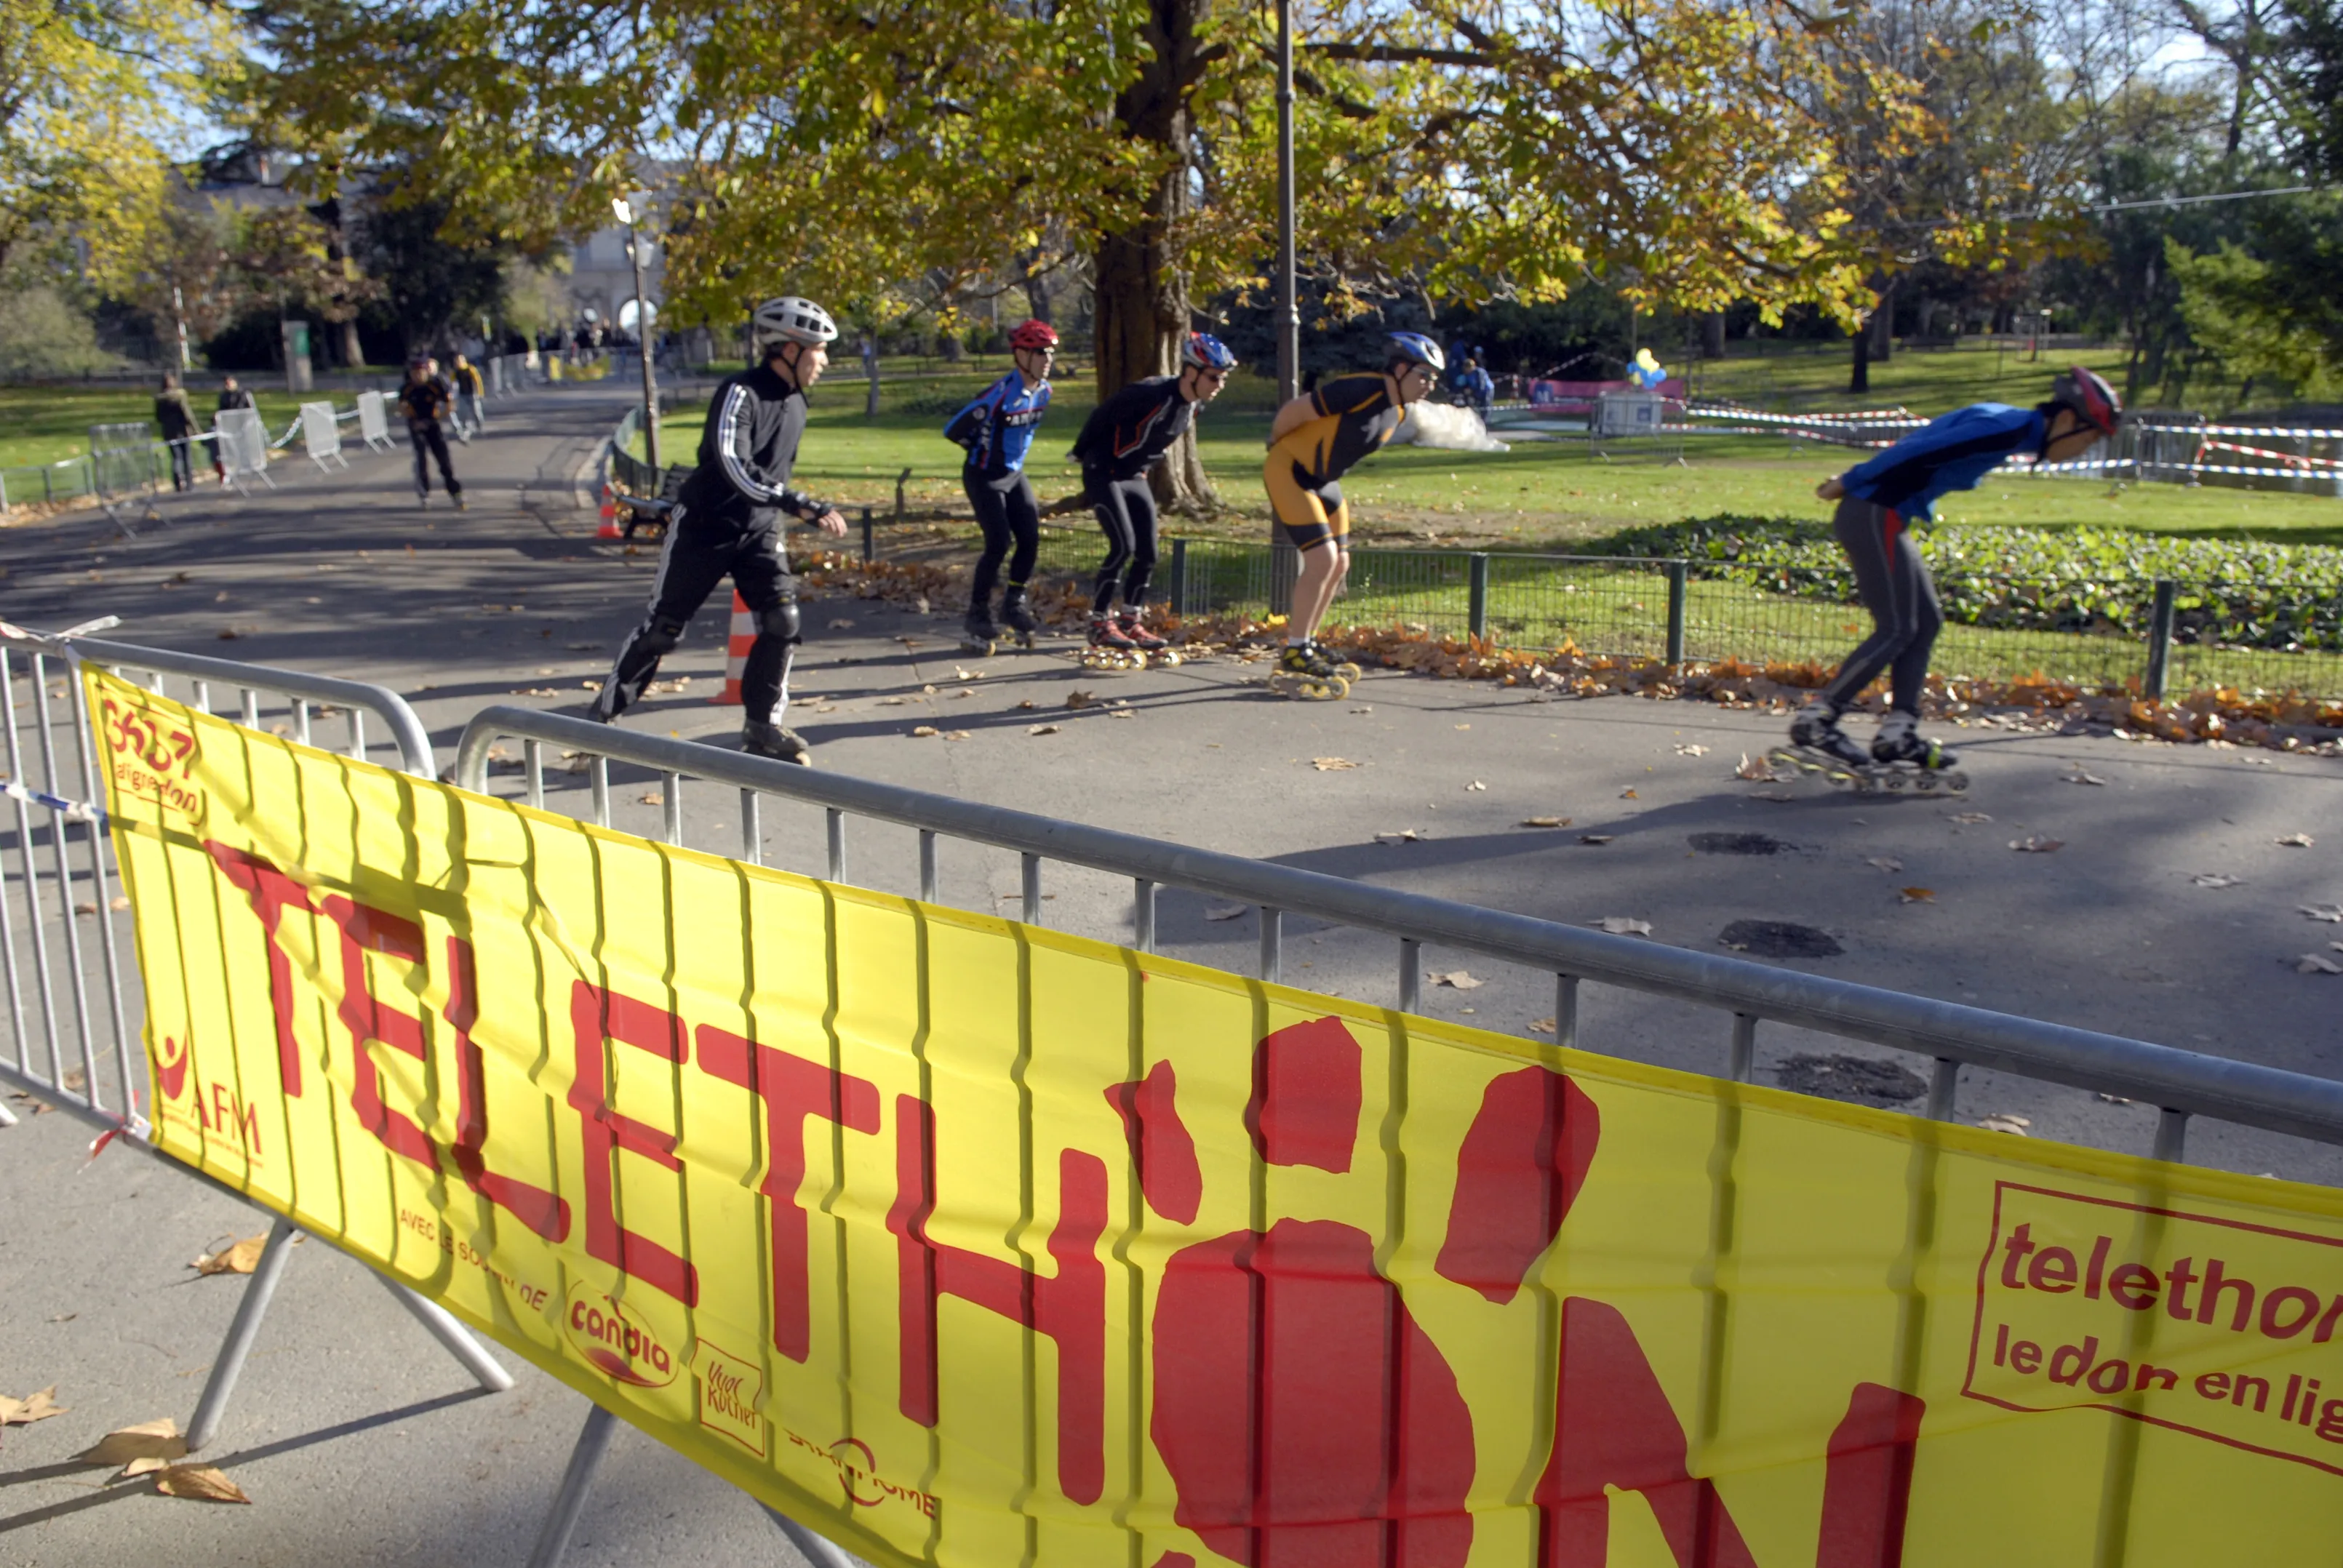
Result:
x=121 y=901
x=1596 y=838
x=1332 y=764
x=1971 y=819
x=2317 y=964
x=1759 y=771
x=962 y=693
x=920 y=731
x=1042 y=728
x=1625 y=926
x=2296 y=841
x=1545 y=822
x=33 y=1407
x=1476 y=784
x=2216 y=880
x=1692 y=751
x=81 y=909
x=535 y=691
x=1226 y=911
x=955 y=734
x=1404 y=836
x=651 y=798
x=1078 y=699
x=157 y=1439
x=589 y=686
x=1456 y=978
x=2035 y=844
x=2113 y=1099
x=199 y=1482
x=2082 y=776
x=893 y=701
x=1885 y=862
x=2331 y=913
x=240 y=1258
x=1541 y=1026
x=1026 y=705
x=2000 y=1122
x=1627 y=795
x=841 y=624
x=1917 y=895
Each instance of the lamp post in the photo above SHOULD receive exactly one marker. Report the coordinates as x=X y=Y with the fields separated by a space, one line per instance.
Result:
x=626 y=213
x=1289 y=313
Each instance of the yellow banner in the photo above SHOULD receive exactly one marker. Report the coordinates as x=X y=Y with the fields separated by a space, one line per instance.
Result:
x=966 y=1242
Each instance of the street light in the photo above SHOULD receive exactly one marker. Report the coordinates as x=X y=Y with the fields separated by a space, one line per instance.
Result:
x=1289 y=313
x=626 y=214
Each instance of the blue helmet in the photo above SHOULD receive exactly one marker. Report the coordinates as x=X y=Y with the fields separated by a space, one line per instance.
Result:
x=1416 y=350
x=1206 y=352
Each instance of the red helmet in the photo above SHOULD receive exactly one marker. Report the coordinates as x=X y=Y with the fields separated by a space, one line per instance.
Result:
x=2086 y=392
x=1035 y=334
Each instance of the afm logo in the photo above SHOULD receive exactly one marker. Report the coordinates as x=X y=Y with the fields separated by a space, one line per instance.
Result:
x=622 y=1345
x=217 y=1106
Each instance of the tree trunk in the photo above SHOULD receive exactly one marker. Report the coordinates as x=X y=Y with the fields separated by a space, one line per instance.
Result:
x=1883 y=323
x=1036 y=296
x=1142 y=290
x=1859 y=378
x=353 y=353
x=871 y=371
x=1712 y=334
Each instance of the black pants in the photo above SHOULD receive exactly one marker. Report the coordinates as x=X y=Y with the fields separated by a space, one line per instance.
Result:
x=1007 y=512
x=700 y=553
x=1901 y=598
x=1126 y=510
x=183 y=467
x=430 y=440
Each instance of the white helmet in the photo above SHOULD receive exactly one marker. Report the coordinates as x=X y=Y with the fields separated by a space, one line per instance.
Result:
x=790 y=320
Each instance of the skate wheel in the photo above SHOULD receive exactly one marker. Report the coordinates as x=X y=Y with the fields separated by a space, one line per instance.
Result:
x=1348 y=672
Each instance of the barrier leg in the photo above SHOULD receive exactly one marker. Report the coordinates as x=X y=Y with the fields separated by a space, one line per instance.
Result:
x=593 y=1441
x=228 y=1365
x=817 y=1550
x=452 y=1334
x=7 y=1117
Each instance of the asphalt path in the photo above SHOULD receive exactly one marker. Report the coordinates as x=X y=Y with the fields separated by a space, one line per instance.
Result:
x=354 y=1434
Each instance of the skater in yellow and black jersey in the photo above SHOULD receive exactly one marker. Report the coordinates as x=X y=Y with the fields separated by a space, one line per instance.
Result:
x=1315 y=440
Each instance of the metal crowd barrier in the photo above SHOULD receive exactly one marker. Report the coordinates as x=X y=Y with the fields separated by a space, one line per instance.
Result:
x=2181 y=1083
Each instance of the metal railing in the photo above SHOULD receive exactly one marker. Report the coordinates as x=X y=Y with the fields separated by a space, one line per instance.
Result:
x=2181 y=1083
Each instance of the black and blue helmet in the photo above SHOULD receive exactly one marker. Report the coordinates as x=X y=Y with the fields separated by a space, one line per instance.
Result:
x=1206 y=352
x=1416 y=350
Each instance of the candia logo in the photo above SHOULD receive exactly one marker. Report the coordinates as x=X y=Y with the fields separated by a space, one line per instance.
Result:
x=620 y=1344
x=171 y=1068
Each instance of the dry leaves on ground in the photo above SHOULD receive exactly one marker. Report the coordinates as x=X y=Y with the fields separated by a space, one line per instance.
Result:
x=120 y=903
x=962 y=694
x=2296 y=841
x=893 y=701
x=1476 y=784
x=955 y=734
x=1596 y=838
x=921 y=732
x=2003 y=1121
x=1545 y=822
x=1971 y=819
x=535 y=691
x=2216 y=880
x=650 y=797
x=2035 y=844
x=1404 y=836
x=1625 y=926
x=1078 y=699
x=1541 y=1026
x=240 y=1258
x=1759 y=771
x=2331 y=913
x=1628 y=795
x=149 y=1445
x=1332 y=764
x=1027 y=705
x=1916 y=895
x=1225 y=912
x=841 y=624
x=33 y=1407
x=1044 y=728
x=1455 y=979
x=199 y=1484
x=1692 y=751
x=2081 y=775
x=1885 y=862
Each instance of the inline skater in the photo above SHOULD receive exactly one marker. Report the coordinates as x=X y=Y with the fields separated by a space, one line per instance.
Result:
x=728 y=520
x=1314 y=441
x=1877 y=498
x=1126 y=436
x=425 y=402
x=998 y=426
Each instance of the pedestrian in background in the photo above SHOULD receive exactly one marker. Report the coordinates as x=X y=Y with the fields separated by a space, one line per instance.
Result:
x=178 y=419
x=471 y=390
x=424 y=400
x=232 y=395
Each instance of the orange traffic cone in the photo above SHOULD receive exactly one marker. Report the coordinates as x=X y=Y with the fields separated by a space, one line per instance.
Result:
x=609 y=528
x=736 y=651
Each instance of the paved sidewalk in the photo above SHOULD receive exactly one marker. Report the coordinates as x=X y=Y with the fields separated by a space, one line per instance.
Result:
x=345 y=576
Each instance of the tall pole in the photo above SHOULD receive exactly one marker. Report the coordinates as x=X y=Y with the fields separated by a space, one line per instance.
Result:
x=643 y=349
x=1289 y=312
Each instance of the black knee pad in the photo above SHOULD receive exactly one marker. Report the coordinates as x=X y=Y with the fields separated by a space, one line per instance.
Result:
x=781 y=622
x=659 y=635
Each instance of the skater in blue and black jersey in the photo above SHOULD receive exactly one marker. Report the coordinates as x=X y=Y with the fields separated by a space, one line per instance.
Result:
x=1878 y=499
x=1126 y=436
x=997 y=426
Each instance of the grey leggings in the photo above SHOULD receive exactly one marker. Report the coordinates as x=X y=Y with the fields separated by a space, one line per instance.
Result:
x=1901 y=598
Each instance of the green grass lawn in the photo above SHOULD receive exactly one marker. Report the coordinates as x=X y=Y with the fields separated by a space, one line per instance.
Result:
x=1550 y=495
x=1812 y=377
x=46 y=424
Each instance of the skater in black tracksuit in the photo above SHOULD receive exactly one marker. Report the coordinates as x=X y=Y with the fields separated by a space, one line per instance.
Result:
x=424 y=400
x=729 y=521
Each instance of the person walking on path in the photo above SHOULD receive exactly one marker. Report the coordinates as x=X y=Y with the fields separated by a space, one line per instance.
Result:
x=232 y=395
x=998 y=426
x=1314 y=440
x=471 y=391
x=178 y=419
x=729 y=521
x=424 y=400
x=1125 y=436
x=1878 y=499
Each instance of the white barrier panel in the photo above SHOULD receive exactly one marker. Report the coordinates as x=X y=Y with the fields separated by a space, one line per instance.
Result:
x=322 y=435
x=374 y=424
x=243 y=446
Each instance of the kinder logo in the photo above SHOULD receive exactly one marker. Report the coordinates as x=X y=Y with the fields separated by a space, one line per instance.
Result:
x=621 y=1345
x=171 y=1068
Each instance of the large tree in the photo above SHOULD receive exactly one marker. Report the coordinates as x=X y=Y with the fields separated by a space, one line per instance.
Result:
x=837 y=146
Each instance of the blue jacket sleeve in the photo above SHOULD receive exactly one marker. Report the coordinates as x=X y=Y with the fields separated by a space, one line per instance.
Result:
x=974 y=423
x=1977 y=437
